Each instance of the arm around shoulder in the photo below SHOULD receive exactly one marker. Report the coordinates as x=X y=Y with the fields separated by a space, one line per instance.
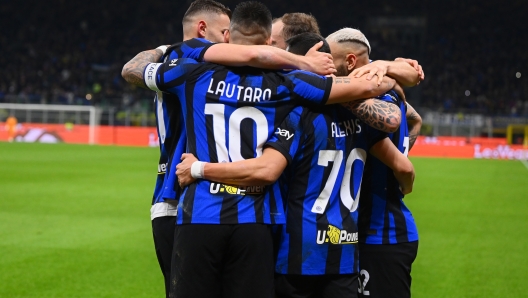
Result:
x=263 y=170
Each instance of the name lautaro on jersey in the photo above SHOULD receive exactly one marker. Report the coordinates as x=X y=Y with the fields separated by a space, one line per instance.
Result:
x=219 y=188
x=334 y=235
x=243 y=93
x=346 y=128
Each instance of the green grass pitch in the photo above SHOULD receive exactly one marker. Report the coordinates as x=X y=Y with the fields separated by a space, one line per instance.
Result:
x=75 y=222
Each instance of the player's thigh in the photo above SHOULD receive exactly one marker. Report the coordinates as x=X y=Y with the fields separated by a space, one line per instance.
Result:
x=385 y=270
x=197 y=260
x=249 y=266
x=339 y=285
x=163 y=234
x=296 y=286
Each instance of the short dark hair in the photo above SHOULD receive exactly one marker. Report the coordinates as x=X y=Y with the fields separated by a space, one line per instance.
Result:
x=301 y=43
x=297 y=23
x=208 y=6
x=251 y=17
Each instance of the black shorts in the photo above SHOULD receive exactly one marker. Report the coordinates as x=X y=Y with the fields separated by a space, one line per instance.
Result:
x=231 y=261
x=385 y=269
x=163 y=232
x=316 y=286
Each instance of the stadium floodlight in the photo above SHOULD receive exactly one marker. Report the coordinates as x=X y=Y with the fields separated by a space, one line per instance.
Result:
x=59 y=114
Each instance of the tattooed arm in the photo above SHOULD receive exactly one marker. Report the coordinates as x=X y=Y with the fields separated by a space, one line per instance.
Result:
x=133 y=70
x=349 y=88
x=414 y=122
x=376 y=113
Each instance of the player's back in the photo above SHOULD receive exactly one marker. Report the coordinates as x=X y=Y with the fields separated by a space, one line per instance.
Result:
x=229 y=114
x=327 y=150
x=383 y=216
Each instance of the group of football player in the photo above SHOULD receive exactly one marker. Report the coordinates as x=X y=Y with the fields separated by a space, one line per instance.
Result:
x=283 y=160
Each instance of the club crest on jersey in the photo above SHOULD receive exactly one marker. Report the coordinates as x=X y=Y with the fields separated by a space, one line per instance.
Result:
x=334 y=235
x=218 y=188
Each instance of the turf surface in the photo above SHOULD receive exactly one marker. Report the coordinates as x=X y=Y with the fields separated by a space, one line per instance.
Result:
x=74 y=222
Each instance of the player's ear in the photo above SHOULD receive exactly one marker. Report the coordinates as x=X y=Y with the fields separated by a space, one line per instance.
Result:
x=268 y=41
x=351 y=61
x=201 y=28
x=227 y=35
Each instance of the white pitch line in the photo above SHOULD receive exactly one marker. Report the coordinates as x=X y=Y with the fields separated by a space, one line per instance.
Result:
x=525 y=163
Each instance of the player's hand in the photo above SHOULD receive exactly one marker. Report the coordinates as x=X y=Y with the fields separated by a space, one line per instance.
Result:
x=376 y=68
x=183 y=169
x=416 y=66
x=319 y=62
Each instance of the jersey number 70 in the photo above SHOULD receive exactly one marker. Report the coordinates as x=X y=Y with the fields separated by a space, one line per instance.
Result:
x=355 y=162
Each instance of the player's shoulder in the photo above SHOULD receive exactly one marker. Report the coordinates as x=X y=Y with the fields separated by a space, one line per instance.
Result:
x=181 y=62
x=299 y=73
x=180 y=49
x=391 y=96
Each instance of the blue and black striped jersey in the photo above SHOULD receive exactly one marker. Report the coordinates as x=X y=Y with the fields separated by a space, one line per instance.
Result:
x=229 y=113
x=169 y=124
x=383 y=216
x=326 y=151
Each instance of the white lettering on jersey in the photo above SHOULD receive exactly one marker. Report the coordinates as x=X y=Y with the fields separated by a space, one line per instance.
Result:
x=284 y=133
x=150 y=76
x=346 y=128
x=249 y=94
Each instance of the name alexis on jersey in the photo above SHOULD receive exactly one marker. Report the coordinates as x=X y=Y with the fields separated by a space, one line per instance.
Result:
x=216 y=188
x=250 y=94
x=334 y=235
x=345 y=128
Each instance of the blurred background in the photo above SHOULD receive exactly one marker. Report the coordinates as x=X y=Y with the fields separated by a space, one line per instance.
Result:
x=74 y=219
x=72 y=52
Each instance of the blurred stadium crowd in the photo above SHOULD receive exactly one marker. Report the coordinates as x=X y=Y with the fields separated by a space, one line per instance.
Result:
x=72 y=52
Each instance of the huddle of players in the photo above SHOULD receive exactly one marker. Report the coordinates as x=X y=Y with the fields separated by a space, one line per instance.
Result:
x=251 y=125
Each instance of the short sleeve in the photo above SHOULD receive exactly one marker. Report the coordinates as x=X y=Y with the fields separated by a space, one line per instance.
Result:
x=391 y=97
x=195 y=48
x=288 y=134
x=373 y=135
x=162 y=76
x=309 y=88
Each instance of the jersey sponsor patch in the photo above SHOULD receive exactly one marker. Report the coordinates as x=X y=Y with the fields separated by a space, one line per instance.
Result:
x=219 y=188
x=284 y=133
x=334 y=235
x=162 y=168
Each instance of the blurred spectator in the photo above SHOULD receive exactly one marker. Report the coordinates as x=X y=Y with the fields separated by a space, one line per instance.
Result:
x=72 y=52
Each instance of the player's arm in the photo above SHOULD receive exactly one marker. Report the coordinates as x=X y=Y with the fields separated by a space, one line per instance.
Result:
x=416 y=65
x=262 y=170
x=350 y=88
x=401 y=166
x=414 y=123
x=380 y=114
x=267 y=57
x=133 y=70
x=405 y=74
